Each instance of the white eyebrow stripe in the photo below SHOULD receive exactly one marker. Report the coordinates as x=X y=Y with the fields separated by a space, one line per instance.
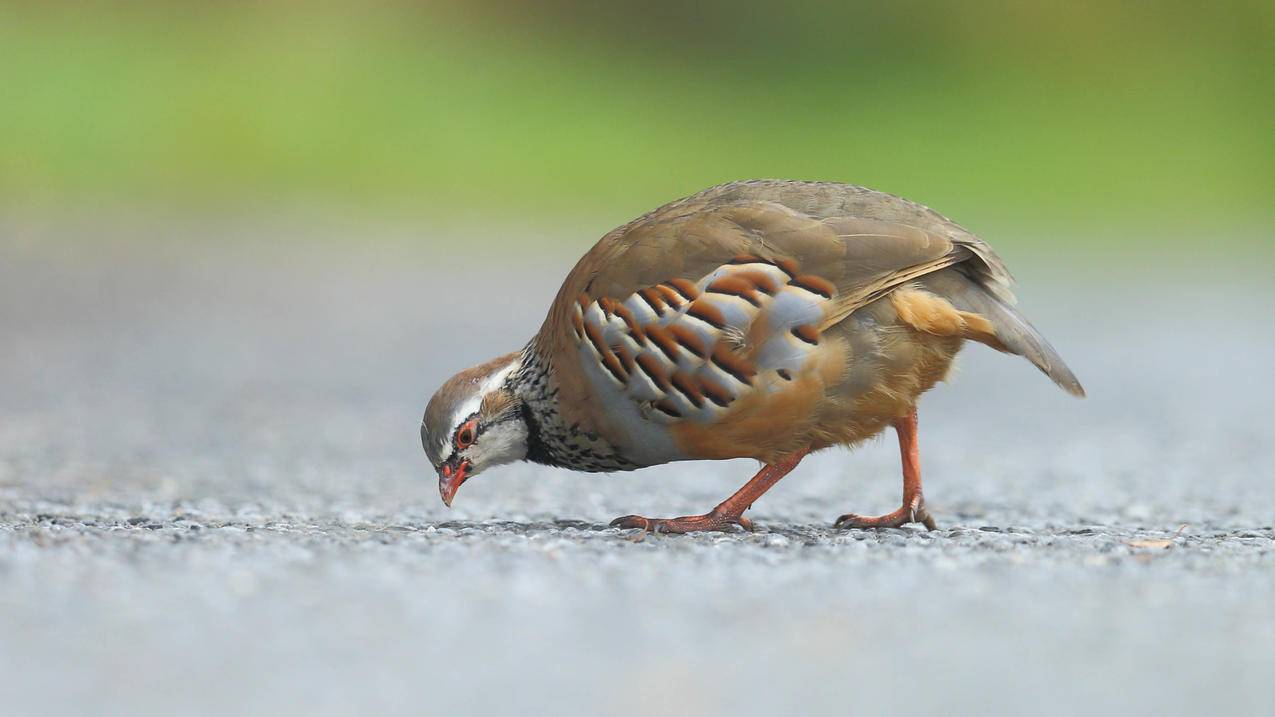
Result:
x=470 y=407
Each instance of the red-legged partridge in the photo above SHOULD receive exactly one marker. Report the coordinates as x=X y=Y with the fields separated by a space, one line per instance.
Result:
x=762 y=319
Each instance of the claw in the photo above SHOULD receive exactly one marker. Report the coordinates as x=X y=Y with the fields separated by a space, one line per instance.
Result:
x=631 y=521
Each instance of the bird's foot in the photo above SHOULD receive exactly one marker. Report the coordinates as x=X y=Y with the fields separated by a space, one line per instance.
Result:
x=912 y=512
x=713 y=521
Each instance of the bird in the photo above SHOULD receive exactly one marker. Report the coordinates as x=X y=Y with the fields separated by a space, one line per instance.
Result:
x=764 y=319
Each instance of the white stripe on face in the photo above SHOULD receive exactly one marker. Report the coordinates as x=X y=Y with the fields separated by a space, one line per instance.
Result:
x=470 y=406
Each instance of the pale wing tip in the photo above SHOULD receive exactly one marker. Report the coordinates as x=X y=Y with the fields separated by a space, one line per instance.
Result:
x=1068 y=382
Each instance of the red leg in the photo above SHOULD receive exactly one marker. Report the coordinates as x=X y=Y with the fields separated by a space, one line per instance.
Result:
x=728 y=513
x=913 y=509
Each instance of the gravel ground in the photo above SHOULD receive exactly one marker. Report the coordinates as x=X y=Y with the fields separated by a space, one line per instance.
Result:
x=213 y=499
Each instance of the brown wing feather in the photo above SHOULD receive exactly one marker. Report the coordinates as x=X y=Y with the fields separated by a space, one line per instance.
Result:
x=860 y=242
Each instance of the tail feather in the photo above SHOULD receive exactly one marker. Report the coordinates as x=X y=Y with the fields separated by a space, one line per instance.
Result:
x=1011 y=332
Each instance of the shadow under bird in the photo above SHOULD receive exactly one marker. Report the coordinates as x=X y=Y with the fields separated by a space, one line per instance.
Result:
x=762 y=319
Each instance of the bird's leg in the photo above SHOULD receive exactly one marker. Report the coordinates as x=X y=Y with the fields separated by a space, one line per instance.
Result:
x=728 y=513
x=913 y=509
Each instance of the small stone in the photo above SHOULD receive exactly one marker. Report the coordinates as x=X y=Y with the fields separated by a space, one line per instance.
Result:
x=776 y=541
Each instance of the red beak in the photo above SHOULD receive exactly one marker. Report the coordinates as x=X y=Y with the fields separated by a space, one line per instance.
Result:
x=449 y=480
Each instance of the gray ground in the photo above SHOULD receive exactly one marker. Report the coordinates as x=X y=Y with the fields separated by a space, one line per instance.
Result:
x=213 y=498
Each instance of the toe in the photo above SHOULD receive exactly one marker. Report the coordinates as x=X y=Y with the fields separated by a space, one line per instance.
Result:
x=631 y=521
x=685 y=524
x=863 y=522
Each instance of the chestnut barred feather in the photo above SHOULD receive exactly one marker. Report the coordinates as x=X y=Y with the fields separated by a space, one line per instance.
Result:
x=691 y=364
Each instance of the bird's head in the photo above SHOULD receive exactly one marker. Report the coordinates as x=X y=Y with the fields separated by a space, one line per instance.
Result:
x=472 y=423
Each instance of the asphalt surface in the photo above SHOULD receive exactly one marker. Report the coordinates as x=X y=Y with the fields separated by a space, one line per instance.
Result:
x=213 y=500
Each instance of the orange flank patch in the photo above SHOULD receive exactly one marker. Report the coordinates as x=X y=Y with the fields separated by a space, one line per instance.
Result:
x=626 y=358
x=667 y=407
x=686 y=386
x=807 y=333
x=789 y=266
x=654 y=299
x=762 y=425
x=765 y=283
x=607 y=304
x=635 y=329
x=653 y=370
x=595 y=338
x=669 y=295
x=734 y=364
x=612 y=364
x=705 y=311
x=716 y=394
x=815 y=285
x=755 y=337
x=687 y=289
x=688 y=339
x=664 y=340
x=735 y=286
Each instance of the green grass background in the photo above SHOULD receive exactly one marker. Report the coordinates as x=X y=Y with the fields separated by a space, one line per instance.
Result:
x=1151 y=115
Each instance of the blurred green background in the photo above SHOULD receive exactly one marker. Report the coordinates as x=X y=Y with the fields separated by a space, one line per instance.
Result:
x=1083 y=116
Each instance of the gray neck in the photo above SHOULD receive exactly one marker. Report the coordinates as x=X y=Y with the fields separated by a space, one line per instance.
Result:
x=550 y=439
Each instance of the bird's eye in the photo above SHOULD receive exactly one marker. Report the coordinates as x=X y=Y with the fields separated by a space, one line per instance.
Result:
x=466 y=434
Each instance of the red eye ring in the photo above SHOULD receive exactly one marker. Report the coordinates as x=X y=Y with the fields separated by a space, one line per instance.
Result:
x=466 y=434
